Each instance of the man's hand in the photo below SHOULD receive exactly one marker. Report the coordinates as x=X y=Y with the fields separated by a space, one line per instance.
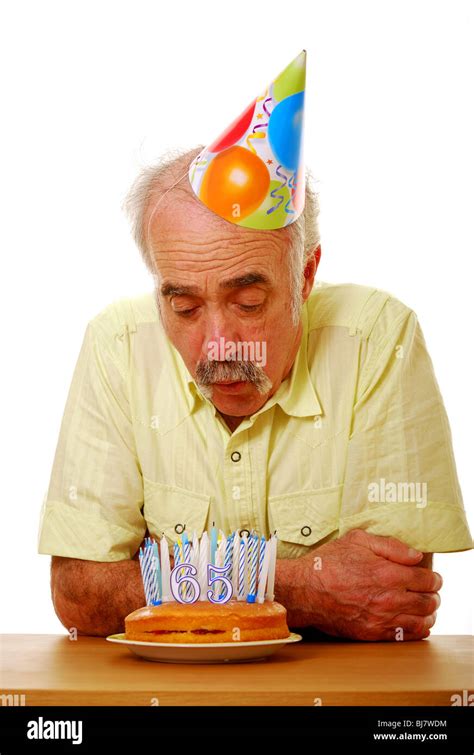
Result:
x=361 y=586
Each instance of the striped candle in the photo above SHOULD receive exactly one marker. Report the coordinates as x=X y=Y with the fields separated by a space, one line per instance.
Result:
x=178 y=552
x=157 y=591
x=242 y=570
x=187 y=589
x=229 y=546
x=245 y=538
x=177 y=559
x=149 y=572
x=165 y=570
x=253 y=559
x=235 y=564
x=146 y=573
x=142 y=572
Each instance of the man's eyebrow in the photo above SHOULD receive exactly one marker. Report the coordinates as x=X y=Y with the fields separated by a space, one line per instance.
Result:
x=245 y=280
x=176 y=289
x=248 y=279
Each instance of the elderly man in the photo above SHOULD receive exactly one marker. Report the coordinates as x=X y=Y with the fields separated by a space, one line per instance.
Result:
x=334 y=434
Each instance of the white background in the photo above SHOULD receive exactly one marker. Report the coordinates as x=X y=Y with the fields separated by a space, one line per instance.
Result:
x=93 y=90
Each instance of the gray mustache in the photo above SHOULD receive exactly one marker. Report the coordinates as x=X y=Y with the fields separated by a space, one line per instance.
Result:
x=211 y=371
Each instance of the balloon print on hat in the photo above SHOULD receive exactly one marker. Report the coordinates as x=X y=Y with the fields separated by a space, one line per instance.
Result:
x=253 y=174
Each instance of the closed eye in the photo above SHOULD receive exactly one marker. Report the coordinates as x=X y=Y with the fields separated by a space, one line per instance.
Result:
x=185 y=312
x=243 y=307
x=249 y=307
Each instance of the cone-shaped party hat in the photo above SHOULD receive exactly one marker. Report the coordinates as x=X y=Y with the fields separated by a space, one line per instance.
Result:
x=253 y=174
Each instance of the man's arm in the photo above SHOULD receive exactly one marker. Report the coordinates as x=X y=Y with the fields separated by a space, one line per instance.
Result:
x=94 y=597
x=361 y=586
x=355 y=593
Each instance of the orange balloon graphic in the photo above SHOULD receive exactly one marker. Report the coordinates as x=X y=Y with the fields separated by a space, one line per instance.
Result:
x=235 y=184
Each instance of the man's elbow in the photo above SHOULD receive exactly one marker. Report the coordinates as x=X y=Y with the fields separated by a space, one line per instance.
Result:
x=66 y=605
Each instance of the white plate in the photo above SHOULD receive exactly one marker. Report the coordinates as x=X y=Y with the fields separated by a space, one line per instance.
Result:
x=204 y=652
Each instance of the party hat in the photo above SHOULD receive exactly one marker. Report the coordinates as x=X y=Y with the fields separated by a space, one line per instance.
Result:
x=253 y=174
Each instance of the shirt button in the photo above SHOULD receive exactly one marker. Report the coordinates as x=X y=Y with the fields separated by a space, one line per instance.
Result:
x=179 y=528
x=305 y=531
x=235 y=456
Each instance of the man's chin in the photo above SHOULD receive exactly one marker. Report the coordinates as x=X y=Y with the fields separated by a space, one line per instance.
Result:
x=237 y=399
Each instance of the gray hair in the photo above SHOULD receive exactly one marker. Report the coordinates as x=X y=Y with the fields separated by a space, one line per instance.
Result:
x=303 y=233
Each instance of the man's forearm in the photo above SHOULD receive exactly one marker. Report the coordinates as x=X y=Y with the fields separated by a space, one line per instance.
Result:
x=94 y=597
x=291 y=576
x=306 y=608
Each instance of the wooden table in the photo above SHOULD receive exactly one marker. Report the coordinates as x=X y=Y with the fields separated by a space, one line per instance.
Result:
x=53 y=670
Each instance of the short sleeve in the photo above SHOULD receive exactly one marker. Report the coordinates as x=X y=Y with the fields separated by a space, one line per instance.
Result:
x=400 y=475
x=93 y=506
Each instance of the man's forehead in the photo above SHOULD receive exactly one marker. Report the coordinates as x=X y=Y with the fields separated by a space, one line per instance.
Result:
x=183 y=221
x=192 y=248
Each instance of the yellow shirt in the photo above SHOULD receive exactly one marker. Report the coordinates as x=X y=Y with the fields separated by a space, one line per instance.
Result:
x=356 y=436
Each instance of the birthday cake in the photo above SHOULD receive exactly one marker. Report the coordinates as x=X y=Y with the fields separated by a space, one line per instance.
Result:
x=236 y=573
x=203 y=621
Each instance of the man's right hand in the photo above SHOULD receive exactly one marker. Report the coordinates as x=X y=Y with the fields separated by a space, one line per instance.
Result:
x=365 y=587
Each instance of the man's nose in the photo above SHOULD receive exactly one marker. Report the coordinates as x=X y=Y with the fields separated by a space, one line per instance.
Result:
x=220 y=329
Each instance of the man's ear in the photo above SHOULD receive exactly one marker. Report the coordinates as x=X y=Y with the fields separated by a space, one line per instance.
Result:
x=310 y=271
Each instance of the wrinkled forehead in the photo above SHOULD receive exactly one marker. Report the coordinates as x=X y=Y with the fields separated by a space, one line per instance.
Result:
x=178 y=220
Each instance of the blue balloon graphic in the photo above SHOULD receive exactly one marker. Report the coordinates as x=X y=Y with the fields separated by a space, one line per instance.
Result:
x=284 y=130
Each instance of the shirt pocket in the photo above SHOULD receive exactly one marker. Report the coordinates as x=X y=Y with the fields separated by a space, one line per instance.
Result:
x=303 y=518
x=172 y=510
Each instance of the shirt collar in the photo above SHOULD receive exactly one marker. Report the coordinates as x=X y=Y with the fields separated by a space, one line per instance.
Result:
x=296 y=395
